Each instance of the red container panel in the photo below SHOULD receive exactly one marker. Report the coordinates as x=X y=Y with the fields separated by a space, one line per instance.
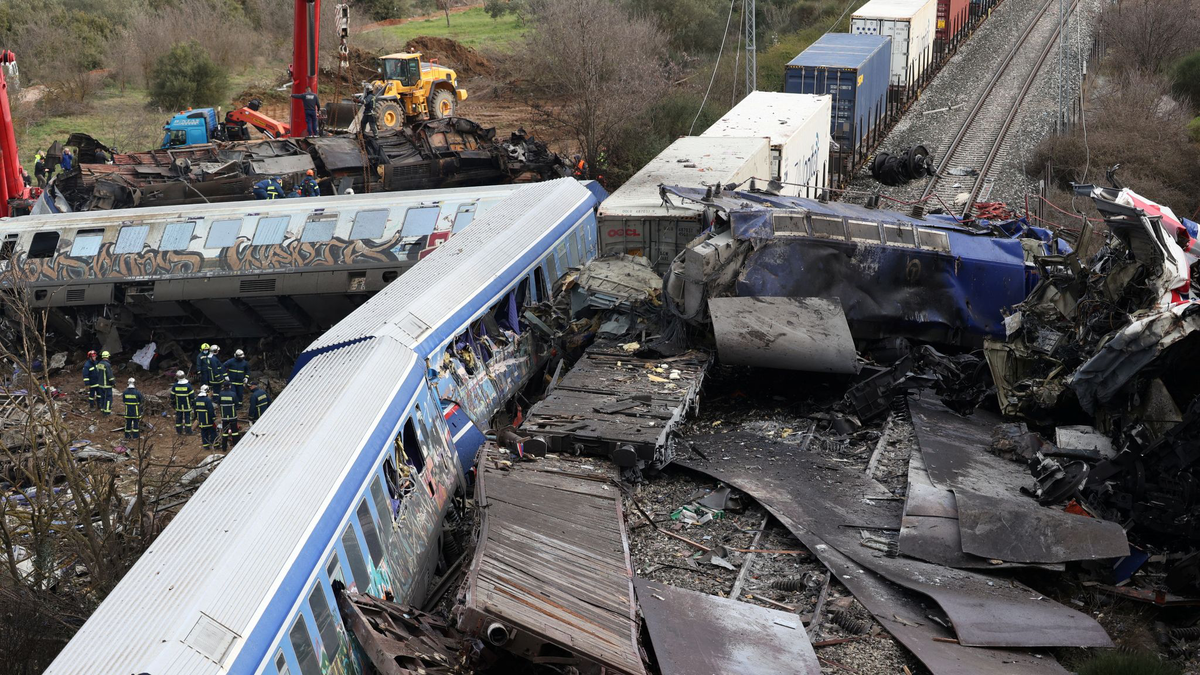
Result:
x=951 y=18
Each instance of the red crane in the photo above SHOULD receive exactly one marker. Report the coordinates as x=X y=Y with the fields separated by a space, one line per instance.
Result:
x=12 y=185
x=306 y=37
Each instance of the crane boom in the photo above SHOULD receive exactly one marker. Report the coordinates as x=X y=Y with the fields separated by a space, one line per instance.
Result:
x=306 y=38
x=12 y=185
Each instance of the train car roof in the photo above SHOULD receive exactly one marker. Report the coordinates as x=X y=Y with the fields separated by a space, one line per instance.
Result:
x=191 y=603
x=414 y=308
x=249 y=207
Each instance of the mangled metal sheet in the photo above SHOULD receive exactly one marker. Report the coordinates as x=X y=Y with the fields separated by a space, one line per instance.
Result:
x=695 y=632
x=399 y=639
x=822 y=499
x=996 y=521
x=339 y=153
x=805 y=334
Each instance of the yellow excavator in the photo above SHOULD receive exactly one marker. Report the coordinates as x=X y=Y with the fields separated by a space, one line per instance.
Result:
x=412 y=89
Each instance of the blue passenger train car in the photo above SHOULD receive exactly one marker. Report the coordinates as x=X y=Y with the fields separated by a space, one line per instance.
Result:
x=351 y=473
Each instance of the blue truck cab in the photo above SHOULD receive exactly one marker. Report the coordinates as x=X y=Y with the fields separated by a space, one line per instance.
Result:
x=190 y=127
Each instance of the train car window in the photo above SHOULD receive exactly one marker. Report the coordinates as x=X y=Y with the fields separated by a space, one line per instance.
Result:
x=582 y=246
x=369 y=224
x=573 y=259
x=319 y=228
x=222 y=233
x=464 y=217
x=326 y=627
x=8 y=247
x=420 y=221
x=334 y=569
x=281 y=663
x=303 y=646
x=354 y=558
x=381 y=503
x=270 y=231
x=177 y=236
x=369 y=533
x=539 y=278
x=412 y=446
x=131 y=238
x=552 y=268
x=87 y=243
x=523 y=292
x=44 y=245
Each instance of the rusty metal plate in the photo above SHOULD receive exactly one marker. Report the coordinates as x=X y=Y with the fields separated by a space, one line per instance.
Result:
x=995 y=519
x=807 y=334
x=832 y=503
x=695 y=632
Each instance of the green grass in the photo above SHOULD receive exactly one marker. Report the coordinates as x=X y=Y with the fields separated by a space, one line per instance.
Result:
x=1123 y=663
x=473 y=28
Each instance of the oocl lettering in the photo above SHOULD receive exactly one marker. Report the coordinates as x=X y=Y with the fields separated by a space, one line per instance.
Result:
x=626 y=232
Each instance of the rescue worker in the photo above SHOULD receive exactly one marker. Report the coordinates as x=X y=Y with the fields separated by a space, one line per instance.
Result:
x=229 y=422
x=183 y=396
x=311 y=105
x=39 y=169
x=206 y=419
x=296 y=193
x=308 y=186
x=368 y=112
x=580 y=167
x=134 y=402
x=104 y=375
x=258 y=401
x=237 y=370
x=90 y=381
x=216 y=369
x=268 y=188
x=201 y=359
x=68 y=160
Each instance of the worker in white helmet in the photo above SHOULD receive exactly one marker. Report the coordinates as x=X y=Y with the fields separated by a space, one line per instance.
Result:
x=237 y=370
x=134 y=404
x=206 y=418
x=183 y=395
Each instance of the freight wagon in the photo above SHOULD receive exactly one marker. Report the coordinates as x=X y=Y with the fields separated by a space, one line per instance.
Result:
x=911 y=25
x=797 y=127
x=952 y=18
x=853 y=70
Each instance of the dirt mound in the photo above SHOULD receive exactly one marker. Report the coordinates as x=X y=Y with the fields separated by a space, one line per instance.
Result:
x=450 y=53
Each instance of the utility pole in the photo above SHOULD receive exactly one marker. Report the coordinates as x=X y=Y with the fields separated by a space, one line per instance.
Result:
x=1065 y=74
x=751 y=47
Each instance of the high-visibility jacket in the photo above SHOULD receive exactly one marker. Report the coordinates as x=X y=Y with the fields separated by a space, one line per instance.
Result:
x=104 y=374
x=134 y=402
x=206 y=414
x=216 y=370
x=183 y=395
x=258 y=403
x=228 y=404
x=89 y=373
x=237 y=370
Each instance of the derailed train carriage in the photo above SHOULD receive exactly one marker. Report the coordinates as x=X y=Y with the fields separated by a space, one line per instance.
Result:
x=349 y=476
x=253 y=269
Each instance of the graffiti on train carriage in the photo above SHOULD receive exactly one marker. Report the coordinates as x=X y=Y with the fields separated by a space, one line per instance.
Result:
x=106 y=263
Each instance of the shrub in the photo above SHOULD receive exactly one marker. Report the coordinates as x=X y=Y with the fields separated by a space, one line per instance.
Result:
x=1120 y=663
x=1186 y=79
x=186 y=77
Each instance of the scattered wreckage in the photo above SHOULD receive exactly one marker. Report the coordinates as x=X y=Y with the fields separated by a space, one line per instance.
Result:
x=447 y=152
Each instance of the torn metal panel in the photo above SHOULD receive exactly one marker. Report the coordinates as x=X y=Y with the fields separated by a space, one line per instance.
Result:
x=616 y=281
x=551 y=579
x=614 y=404
x=818 y=498
x=806 y=334
x=995 y=519
x=1085 y=439
x=695 y=632
x=1133 y=348
x=399 y=639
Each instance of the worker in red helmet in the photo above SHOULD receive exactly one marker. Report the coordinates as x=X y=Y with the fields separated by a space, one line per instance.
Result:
x=91 y=381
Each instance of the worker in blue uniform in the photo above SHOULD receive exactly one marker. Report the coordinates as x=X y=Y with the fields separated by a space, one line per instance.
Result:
x=216 y=369
x=183 y=396
x=229 y=422
x=104 y=375
x=90 y=381
x=258 y=401
x=198 y=366
x=237 y=370
x=206 y=418
x=309 y=186
x=134 y=405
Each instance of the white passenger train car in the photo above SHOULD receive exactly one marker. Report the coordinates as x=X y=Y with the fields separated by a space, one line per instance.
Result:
x=349 y=475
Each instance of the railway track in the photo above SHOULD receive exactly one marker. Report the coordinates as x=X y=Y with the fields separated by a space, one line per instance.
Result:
x=981 y=138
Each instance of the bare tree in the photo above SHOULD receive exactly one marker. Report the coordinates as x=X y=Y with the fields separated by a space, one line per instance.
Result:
x=1151 y=35
x=593 y=67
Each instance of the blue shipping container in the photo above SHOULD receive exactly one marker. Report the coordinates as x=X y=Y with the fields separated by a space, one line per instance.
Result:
x=854 y=69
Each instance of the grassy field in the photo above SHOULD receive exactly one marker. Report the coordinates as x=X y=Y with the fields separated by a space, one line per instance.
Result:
x=473 y=28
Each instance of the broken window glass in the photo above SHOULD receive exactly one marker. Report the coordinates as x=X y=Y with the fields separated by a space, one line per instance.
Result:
x=303 y=646
x=354 y=558
x=87 y=243
x=131 y=238
x=223 y=233
x=270 y=231
x=334 y=569
x=44 y=245
x=419 y=222
x=369 y=224
x=177 y=236
x=412 y=446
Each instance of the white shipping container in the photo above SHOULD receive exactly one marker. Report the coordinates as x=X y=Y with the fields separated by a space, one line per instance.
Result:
x=634 y=218
x=911 y=25
x=796 y=125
